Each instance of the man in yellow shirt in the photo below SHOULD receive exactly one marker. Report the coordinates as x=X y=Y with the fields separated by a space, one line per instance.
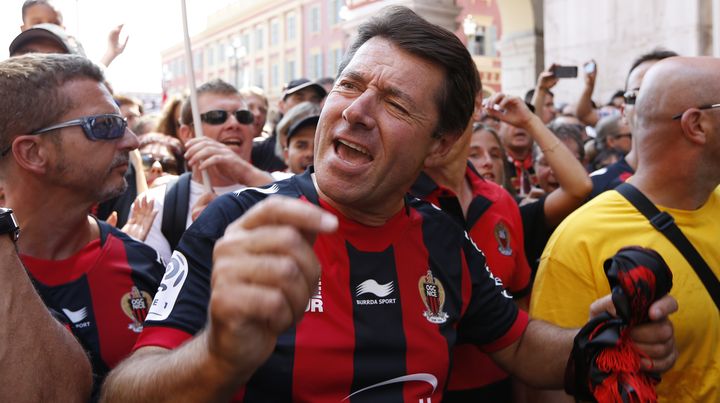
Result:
x=677 y=126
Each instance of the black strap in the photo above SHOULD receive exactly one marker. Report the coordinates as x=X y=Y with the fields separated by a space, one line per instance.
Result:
x=175 y=209
x=664 y=222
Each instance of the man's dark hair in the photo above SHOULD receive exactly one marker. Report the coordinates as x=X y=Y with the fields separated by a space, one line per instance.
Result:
x=411 y=33
x=216 y=86
x=616 y=94
x=31 y=91
x=531 y=93
x=654 y=55
x=564 y=131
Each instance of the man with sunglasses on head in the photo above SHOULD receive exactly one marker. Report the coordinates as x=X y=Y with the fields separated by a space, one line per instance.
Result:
x=223 y=151
x=65 y=148
x=676 y=130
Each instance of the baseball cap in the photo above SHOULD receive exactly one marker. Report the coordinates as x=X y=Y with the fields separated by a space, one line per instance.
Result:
x=300 y=84
x=311 y=120
x=50 y=32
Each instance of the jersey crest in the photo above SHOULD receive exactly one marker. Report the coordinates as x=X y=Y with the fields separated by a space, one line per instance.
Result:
x=502 y=236
x=135 y=305
x=433 y=296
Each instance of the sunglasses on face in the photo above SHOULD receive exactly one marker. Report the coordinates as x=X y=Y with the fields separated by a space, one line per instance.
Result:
x=169 y=164
x=218 y=117
x=631 y=96
x=95 y=127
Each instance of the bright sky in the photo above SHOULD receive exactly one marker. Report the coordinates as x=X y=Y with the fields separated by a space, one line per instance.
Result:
x=152 y=25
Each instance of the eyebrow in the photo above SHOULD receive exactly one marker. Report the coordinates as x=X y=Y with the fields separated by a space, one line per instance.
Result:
x=385 y=90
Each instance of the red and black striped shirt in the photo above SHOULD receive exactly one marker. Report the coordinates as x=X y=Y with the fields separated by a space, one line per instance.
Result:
x=392 y=302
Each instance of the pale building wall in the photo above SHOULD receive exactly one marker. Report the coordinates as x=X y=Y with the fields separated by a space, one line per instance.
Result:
x=615 y=32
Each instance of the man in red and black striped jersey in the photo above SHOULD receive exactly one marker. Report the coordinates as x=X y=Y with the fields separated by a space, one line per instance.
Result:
x=491 y=217
x=65 y=148
x=345 y=289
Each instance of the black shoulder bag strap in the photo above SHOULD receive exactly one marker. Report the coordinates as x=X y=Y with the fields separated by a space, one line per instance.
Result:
x=664 y=222
x=175 y=209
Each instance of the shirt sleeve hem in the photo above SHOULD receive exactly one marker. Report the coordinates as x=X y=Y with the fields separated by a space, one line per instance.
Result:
x=165 y=337
x=511 y=336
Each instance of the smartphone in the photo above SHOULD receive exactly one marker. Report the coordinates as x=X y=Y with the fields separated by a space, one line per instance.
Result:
x=589 y=67
x=565 y=71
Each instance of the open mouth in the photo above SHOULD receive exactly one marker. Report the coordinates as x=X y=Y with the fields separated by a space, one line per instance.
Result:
x=352 y=153
x=489 y=176
x=232 y=142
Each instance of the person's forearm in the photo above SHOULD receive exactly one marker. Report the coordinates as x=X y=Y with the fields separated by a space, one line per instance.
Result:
x=188 y=371
x=538 y=99
x=540 y=356
x=258 y=177
x=585 y=111
x=41 y=360
x=108 y=58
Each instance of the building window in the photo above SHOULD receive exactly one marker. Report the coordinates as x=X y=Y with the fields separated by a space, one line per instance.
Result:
x=334 y=8
x=274 y=76
x=315 y=69
x=259 y=34
x=221 y=52
x=274 y=32
x=259 y=78
x=315 y=19
x=334 y=59
x=245 y=40
x=211 y=55
x=289 y=70
x=198 y=60
x=290 y=29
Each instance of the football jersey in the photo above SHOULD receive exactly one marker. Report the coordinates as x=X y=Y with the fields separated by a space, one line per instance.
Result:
x=610 y=177
x=493 y=222
x=391 y=302
x=104 y=290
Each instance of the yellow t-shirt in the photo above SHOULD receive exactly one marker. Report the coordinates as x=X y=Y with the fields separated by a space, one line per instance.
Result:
x=571 y=277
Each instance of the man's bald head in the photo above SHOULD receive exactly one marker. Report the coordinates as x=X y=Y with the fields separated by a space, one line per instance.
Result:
x=673 y=86
x=679 y=86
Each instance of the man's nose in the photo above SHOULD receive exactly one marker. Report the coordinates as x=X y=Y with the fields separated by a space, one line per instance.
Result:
x=360 y=111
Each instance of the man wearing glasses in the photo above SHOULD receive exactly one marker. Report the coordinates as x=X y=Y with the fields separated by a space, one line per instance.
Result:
x=64 y=148
x=224 y=152
x=676 y=129
x=614 y=174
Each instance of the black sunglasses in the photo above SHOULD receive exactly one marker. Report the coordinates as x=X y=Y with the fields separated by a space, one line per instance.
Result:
x=169 y=164
x=95 y=127
x=631 y=96
x=218 y=117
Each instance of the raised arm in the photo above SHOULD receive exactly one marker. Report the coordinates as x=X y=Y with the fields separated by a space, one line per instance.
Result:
x=114 y=47
x=41 y=360
x=575 y=184
x=546 y=80
x=250 y=305
x=585 y=111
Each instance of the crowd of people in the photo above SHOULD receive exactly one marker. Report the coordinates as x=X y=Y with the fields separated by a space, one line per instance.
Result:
x=366 y=239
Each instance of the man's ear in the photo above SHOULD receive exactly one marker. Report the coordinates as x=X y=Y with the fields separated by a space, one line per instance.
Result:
x=30 y=154
x=286 y=155
x=185 y=133
x=695 y=127
x=440 y=149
